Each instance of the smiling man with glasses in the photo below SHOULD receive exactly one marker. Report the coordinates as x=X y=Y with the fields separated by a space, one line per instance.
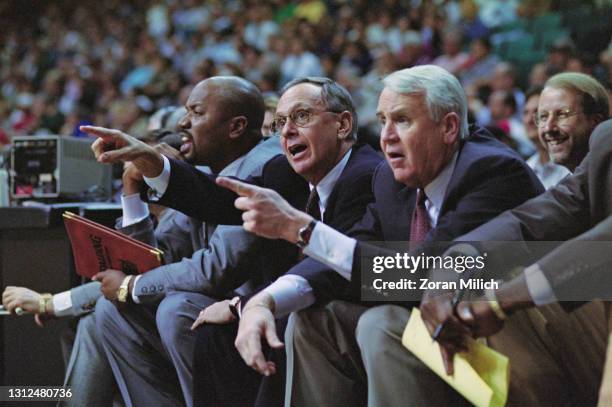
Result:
x=571 y=106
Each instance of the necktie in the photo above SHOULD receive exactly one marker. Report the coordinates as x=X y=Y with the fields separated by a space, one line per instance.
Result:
x=419 y=227
x=312 y=205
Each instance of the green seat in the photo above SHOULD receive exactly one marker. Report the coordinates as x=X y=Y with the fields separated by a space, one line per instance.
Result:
x=546 y=22
x=519 y=49
x=545 y=38
x=516 y=25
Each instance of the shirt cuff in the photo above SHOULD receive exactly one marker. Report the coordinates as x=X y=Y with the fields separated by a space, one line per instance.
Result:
x=134 y=296
x=134 y=210
x=160 y=183
x=332 y=248
x=540 y=290
x=62 y=304
x=290 y=293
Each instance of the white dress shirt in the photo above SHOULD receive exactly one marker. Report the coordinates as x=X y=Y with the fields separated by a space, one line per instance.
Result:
x=292 y=292
x=62 y=304
x=334 y=249
x=549 y=173
x=539 y=288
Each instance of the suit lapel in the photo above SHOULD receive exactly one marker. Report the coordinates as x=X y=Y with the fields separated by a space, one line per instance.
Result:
x=345 y=174
x=456 y=179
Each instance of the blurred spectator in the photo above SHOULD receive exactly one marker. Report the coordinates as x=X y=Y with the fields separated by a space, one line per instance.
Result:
x=502 y=106
x=412 y=52
x=472 y=25
x=480 y=65
x=504 y=78
x=494 y=13
x=452 y=58
x=260 y=27
x=538 y=75
x=300 y=62
x=371 y=86
x=311 y=10
x=81 y=61
x=559 y=53
x=270 y=102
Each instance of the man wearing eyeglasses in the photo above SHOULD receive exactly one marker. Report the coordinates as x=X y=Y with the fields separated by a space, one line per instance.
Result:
x=570 y=107
x=547 y=171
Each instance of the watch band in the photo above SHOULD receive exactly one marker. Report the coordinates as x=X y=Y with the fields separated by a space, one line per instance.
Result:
x=234 y=303
x=42 y=302
x=304 y=234
x=122 y=293
x=495 y=306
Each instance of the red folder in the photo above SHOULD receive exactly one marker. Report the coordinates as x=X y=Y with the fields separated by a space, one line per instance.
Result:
x=97 y=248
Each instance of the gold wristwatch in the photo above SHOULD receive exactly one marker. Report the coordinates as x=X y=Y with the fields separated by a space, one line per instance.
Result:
x=122 y=292
x=42 y=303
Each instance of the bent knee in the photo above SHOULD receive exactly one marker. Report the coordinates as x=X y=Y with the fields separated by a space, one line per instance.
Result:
x=379 y=325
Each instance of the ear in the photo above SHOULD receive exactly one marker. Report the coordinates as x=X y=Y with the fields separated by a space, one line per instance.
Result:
x=345 y=125
x=450 y=128
x=238 y=125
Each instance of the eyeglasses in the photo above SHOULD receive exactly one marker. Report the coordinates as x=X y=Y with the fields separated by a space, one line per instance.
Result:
x=299 y=117
x=560 y=116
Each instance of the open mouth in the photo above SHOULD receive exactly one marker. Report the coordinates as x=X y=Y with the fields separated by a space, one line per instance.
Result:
x=555 y=141
x=187 y=143
x=394 y=156
x=296 y=149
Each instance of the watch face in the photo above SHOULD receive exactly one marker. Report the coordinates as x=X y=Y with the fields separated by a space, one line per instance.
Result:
x=304 y=234
x=122 y=295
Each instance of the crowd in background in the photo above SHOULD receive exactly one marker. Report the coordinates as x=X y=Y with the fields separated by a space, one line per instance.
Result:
x=112 y=63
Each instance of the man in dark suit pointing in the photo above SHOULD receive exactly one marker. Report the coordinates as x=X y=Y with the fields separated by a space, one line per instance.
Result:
x=441 y=179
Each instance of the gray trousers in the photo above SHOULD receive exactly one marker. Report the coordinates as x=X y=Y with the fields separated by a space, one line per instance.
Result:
x=88 y=373
x=150 y=348
x=337 y=347
x=347 y=355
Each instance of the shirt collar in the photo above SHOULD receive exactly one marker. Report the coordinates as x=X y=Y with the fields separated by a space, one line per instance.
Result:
x=232 y=168
x=436 y=189
x=326 y=185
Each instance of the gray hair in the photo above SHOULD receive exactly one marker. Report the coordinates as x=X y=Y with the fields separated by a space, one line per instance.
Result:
x=335 y=96
x=443 y=92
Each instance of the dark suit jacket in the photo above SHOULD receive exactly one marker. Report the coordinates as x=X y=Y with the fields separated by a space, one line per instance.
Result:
x=197 y=195
x=488 y=178
x=578 y=208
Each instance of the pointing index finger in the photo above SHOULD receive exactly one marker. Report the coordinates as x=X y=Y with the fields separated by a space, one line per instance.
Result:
x=102 y=132
x=239 y=187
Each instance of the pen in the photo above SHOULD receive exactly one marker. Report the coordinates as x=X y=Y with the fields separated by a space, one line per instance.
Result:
x=454 y=302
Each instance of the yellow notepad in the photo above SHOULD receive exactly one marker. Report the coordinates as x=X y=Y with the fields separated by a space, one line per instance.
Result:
x=481 y=374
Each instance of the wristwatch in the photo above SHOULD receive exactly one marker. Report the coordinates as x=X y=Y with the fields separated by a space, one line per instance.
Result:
x=234 y=303
x=122 y=292
x=42 y=303
x=304 y=234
